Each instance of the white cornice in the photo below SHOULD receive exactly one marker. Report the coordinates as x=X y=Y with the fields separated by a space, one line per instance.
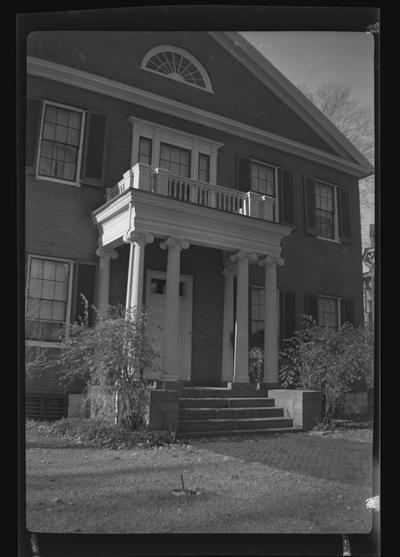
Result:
x=128 y=93
x=162 y=216
x=268 y=74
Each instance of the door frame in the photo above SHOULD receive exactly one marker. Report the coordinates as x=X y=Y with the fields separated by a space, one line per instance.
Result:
x=188 y=309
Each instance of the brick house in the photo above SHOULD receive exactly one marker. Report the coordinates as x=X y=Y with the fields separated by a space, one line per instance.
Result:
x=184 y=172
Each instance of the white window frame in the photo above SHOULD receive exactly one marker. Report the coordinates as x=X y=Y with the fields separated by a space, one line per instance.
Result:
x=256 y=286
x=336 y=239
x=169 y=48
x=51 y=343
x=339 y=307
x=164 y=134
x=76 y=182
x=276 y=178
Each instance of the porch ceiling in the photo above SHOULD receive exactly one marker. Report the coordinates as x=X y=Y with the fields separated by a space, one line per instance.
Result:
x=162 y=216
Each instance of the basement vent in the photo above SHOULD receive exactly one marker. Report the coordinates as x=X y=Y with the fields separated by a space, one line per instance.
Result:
x=45 y=407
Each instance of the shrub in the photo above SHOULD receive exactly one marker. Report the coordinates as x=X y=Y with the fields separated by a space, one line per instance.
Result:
x=114 y=352
x=100 y=433
x=334 y=361
x=256 y=365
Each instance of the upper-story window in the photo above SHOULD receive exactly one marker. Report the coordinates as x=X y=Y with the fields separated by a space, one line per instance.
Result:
x=325 y=210
x=263 y=178
x=177 y=64
x=60 y=145
x=175 y=159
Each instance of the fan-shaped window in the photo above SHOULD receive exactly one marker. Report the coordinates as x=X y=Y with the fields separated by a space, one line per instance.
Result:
x=177 y=64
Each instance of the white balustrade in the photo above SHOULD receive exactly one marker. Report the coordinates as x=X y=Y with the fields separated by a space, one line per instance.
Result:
x=161 y=182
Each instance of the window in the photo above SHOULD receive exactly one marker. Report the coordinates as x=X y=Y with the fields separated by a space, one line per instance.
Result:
x=257 y=321
x=263 y=179
x=145 y=147
x=325 y=210
x=177 y=64
x=175 y=159
x=60 y=143
x=204 y=167
x=158 y=286
x=328 y=311
x=48 y=297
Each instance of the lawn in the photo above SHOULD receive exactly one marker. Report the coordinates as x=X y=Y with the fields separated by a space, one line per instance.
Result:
x=73 y=488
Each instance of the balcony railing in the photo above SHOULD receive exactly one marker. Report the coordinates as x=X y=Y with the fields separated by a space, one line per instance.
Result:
x=162 y=182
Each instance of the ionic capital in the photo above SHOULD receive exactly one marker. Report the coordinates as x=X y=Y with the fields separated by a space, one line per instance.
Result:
x=229 y=270
x=104 y=252
x=176 y=244
x=141 y=238
x=271 y=260
x=242 y=256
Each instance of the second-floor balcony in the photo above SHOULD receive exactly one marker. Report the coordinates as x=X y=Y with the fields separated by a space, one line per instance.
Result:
x=157 y=203
x=161 y=182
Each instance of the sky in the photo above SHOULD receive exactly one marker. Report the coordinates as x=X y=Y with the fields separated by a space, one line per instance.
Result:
x=315 y=58
x=318 y=57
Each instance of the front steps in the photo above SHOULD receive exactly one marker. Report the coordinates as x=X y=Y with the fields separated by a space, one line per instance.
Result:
x=215 y=411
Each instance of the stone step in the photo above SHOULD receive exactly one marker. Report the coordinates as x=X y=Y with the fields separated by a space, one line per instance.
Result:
x=213 y=402
x=233 y=424
x=228 y=413
x=224 y=433
x=222 y=392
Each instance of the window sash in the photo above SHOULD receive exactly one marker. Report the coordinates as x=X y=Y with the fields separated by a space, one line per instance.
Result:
x=61 y=143
x=326 y=213
x=263 y=178
x=204 y=167
x=48 y=297
x=175 y=159
x=328 y=311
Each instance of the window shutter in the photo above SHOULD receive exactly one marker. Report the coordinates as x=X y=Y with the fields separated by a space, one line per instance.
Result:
x=93 y=158
x=243 y=177
x=286 y=196
x=309 y=203
x=311 y=305
x=33 y=108
x=347 y=311
x=344 y=215
x=85 y=283
x=290 y=314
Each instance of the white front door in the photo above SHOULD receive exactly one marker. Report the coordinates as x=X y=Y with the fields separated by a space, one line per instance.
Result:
x=155 y=303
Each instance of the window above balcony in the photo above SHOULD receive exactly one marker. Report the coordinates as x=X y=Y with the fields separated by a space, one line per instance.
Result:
x=177 y=64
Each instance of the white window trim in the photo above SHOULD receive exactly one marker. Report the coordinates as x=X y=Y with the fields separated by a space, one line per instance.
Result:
x=339 y=306
x=50 y=343
x=164 y=134
x=169 y=48
x=336 y=239
x=276 y=178
x=39 y=177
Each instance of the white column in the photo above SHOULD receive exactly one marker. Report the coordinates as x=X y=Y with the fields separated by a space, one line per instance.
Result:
x=172 y=349
x=271 y=320
x=134 y=287
x=228 y=326
x=103 y=286
x=241 y=361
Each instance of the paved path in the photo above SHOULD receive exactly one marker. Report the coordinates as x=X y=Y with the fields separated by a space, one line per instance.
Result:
x=331 y=459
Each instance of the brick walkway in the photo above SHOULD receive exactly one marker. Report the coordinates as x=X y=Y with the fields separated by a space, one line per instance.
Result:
x=332 y=459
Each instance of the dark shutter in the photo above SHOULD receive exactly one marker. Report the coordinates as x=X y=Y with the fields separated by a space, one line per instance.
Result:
x=33 y=108
x=347 y=311
x=344 y=218
x=243 y=177
x=309 y=203
x=85 y=283
x=93 y=159
x=286 y=196
x=290 y=314
x=311 y=305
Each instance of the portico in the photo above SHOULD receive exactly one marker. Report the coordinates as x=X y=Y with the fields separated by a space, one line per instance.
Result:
x=138 y=215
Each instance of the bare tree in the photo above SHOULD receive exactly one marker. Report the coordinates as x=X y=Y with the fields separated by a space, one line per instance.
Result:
x=356 y=123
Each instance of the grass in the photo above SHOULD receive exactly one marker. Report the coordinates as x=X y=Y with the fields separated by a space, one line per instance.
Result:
x=86 y=488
